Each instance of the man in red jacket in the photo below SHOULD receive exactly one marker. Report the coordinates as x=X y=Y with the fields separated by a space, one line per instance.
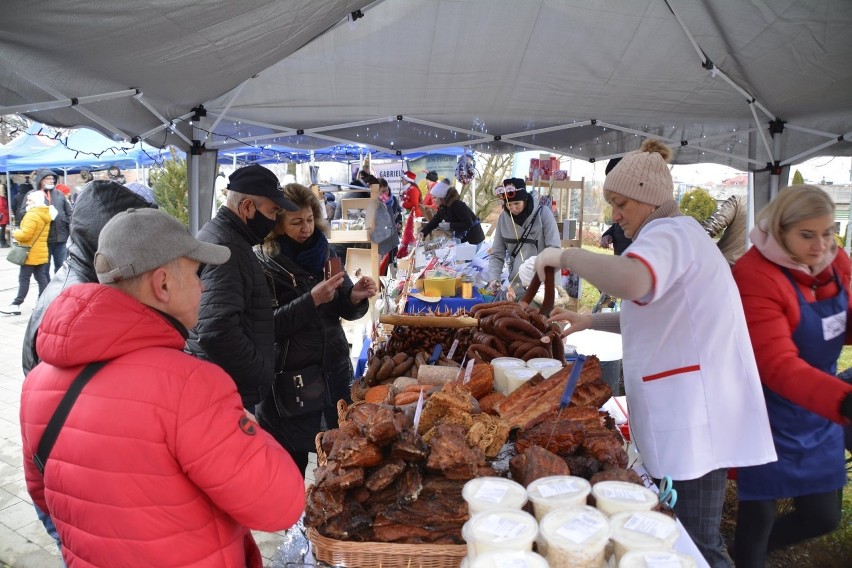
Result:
x=157 y=464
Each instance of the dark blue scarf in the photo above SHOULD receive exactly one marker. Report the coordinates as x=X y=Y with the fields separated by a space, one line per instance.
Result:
x=310 y=255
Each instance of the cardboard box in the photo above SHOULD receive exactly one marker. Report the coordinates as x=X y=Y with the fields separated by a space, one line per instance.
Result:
x=542 y=168
x=440 y=286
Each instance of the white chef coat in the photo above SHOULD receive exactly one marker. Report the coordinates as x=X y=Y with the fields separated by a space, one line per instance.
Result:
x=693 y=391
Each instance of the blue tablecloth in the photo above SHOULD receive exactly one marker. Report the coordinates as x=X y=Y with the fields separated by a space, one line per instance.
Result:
x=361 y=366
x=416 y=306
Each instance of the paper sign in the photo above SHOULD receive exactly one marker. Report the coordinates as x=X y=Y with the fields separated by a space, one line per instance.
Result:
x=661 y=560
x=623 y=494
x=557 y=487
x=581 y=528
x=452 y=350
x=502 y=528
x=491 y=492
x=418 y=410
x=649 y=526
x=468 y=372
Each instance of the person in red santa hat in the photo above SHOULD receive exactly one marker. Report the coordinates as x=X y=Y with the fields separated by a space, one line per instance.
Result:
x=410 y=194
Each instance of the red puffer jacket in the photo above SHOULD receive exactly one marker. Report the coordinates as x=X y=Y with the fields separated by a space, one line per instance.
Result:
x=772 y=312
x=157 y=464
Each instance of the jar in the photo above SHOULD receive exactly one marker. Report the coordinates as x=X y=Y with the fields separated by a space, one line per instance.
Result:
x=646 y=558
x=500 y=365
x=575 y=537
x=483 y=493
x=499 y=529
x=515 y=377
x=506 y=559
x=467 y=288
x=614 y=497
x=545 y=365
x=557 y=492
x=642 y=530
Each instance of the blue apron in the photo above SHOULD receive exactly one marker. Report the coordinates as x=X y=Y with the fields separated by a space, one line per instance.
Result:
x=809 y=447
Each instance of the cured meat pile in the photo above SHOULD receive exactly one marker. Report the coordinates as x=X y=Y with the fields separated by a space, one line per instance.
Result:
x=511 y=329
x=382 y=481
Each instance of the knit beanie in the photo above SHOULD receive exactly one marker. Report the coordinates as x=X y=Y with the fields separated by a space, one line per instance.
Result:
x=643 y=175
x=440 y=190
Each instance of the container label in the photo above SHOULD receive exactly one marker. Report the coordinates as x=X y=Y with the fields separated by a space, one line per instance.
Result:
x=491 y=492
x=557 y=487
x=649 y=526
x=511 y=559
x=624 y=494
x=502 y=528
x=581 y=528
x=661 y=560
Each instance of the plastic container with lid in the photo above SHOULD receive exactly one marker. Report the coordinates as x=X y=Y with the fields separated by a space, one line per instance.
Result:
x=545 y=366
x=500 y=365
x=656 y=559
x=642 y=530
x=574 y=537
x=515 y=377
x=499 y=529
x=484 y=493
x=508 y=559
x=557 y=492
x=614 y=497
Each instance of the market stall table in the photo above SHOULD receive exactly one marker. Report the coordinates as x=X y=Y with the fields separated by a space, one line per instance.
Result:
x=415 y=305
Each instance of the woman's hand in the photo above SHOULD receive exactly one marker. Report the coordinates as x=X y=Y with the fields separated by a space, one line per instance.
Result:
x=365 y=288
x=548 y=257
x=576 y=322
x=324 y=291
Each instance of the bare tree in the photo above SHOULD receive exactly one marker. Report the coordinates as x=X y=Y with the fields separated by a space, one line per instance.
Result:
x=12 y=126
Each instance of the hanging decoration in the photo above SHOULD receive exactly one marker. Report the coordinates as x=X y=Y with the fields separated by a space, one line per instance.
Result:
x=465 y=168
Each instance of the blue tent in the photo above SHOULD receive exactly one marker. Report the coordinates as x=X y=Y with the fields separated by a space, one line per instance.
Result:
x=83 y=149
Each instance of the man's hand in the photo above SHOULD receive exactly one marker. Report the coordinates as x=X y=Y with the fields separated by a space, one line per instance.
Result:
x=365 y=288
x=606 y=241
x=548 y=257
x=324 y=291
x=576 y=322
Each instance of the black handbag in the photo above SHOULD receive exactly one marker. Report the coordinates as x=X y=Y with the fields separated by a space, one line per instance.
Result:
x=297 y=392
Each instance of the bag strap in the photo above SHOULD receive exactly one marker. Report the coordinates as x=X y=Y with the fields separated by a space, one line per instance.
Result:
x=51 y=433
x=526 y=232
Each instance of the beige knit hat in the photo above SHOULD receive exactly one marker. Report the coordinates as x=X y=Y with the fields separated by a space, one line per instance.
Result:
x=643 y=175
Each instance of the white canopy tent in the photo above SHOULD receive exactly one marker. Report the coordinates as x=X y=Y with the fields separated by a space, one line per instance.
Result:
x=755 y=84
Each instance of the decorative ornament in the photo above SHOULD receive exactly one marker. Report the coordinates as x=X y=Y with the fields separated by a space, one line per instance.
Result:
x=465 y=169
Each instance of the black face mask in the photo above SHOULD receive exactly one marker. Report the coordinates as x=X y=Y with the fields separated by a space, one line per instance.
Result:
x=260 y=225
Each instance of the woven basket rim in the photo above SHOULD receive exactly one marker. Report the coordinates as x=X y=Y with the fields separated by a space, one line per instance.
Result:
x=367 y=553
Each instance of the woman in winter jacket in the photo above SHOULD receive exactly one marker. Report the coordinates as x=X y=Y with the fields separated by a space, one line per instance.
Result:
x=794 y=284
x=310 y=343
x=33 y=233
x=524 y=222
x=454 y=215
x=411 y=198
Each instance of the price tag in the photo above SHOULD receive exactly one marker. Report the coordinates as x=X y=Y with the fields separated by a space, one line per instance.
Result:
x=468 y=372
x=557 y=487
x=624 y=494
x=581 y=528
x=502 y=528
x=452 y=350
x=649 y=526
x=418 y=410
x=491 y=492
x=661 y=560
x=511 y=559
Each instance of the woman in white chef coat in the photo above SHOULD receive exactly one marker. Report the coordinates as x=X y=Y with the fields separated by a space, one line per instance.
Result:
x=693 y=391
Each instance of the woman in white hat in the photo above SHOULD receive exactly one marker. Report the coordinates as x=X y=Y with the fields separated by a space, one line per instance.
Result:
x=453 y=215
x=695 y=399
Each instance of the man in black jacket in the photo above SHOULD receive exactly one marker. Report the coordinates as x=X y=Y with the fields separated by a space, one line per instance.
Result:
x=60 y=217
x=235 y=328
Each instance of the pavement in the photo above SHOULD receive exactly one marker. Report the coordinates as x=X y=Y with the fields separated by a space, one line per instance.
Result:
x=23 y=541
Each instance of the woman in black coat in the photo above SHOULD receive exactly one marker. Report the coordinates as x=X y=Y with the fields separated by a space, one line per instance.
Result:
x=311 y=348
x=454 y=215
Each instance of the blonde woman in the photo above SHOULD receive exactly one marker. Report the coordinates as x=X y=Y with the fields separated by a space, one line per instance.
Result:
x=33 y=233
x=794 y=284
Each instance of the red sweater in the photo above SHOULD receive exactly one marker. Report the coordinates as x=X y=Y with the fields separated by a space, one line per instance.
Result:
x=156 y=464
x=411 y=200
x=772 y=313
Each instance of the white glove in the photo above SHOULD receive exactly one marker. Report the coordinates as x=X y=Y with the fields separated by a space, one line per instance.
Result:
x=444 y=226
x=526 y=271
x=548 y=257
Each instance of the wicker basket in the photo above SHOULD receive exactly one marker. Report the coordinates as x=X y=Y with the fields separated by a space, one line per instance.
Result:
x=384 y=554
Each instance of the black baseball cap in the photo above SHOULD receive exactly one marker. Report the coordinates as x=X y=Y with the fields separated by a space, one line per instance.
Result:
x=260 y=181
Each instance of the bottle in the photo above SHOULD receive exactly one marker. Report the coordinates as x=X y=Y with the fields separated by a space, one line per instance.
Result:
x=467 y=288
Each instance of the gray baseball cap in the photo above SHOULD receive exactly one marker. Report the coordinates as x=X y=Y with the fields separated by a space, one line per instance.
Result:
x=138 y=240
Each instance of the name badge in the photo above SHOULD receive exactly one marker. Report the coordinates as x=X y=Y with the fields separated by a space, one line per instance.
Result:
x=832 y=326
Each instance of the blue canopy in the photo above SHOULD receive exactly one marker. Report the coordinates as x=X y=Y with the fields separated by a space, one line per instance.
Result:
x=83 y=149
